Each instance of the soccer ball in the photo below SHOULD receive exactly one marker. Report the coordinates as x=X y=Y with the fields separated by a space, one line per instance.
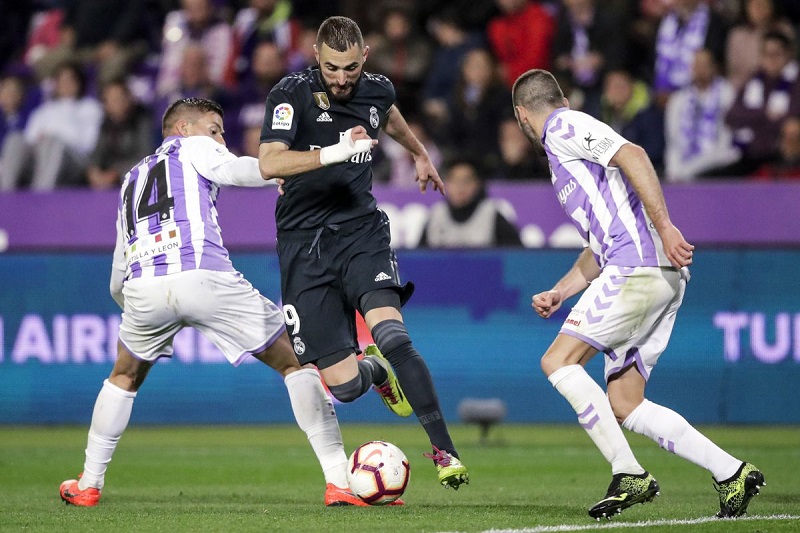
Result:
x=378 y=472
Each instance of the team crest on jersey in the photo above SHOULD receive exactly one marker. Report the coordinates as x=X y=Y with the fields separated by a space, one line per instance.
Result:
x=282 y=117
x=321 y=99
x=299 y=346
x=374 y=121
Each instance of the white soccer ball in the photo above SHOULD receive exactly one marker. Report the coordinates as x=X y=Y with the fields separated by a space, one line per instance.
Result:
x=378 y=472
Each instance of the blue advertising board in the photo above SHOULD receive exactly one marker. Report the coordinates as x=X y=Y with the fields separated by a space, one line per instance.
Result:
x=734 y=356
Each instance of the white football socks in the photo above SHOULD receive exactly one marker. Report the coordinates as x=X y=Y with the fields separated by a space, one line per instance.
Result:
x=595 y=416
x=110 y=417
x=673 y=433
x=315 y=415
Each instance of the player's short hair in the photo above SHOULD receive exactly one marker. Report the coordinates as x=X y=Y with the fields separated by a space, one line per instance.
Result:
x=537 y=90
x=339 y=33
x=188 y=108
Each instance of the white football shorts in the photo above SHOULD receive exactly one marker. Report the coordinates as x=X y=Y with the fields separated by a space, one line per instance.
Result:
x=628 y=314
x=224 y=306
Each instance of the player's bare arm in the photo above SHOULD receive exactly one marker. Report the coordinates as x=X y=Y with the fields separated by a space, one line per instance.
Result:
x=397 y=128
x=275 y=160
x=583 y=272
x=636 y=165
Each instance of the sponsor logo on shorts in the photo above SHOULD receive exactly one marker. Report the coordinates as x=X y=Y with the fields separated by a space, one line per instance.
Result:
x=299 y=346
x=383 y=276
x=282 y=117
x=573 y=322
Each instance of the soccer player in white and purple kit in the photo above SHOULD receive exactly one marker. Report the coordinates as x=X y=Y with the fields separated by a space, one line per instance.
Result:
x=170 y=271
x=633 y=271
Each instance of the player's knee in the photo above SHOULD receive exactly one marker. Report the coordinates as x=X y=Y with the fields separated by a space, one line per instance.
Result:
x=622 y=406
x=551 y=362
x=393 y=341
x=349 y=391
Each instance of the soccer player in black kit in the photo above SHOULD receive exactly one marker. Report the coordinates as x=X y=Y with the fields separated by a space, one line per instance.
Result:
x=333 y=241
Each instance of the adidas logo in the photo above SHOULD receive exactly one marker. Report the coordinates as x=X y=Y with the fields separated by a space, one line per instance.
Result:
x=324 y=117
x=382 y=277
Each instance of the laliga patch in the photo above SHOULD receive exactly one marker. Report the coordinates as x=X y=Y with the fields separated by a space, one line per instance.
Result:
x=282 y=117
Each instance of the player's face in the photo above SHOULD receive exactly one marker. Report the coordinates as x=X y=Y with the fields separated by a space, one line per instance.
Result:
x=209 y=124
x=341 y=70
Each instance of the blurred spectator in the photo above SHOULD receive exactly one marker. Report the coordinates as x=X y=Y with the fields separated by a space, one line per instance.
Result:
x=194 y=81
x=698 y=140
x=44 y=35
x=263 y=20
x=689 y=26
x=468 y=218
x=762 y=105
x=268 y=67
x=13 y=118
x=106 y=34
x=303 y=56
x=788 y=164
x=197 y=24
x=453 y=41
x=59 y=136
x=518 y=159
x=126 y=136
x=645 y=18
x=472 y=15
x=477 y=106
x=402 y=54
x=628 y=108
x=400 y=169
x=13 y=114
x=521 y=37
x=744 y=41
x=588 y=42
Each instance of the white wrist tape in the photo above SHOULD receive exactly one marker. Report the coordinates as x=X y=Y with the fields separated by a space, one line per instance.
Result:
x=344 y=149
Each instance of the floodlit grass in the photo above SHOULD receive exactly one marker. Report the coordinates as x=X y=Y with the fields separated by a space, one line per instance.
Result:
x=265 y=478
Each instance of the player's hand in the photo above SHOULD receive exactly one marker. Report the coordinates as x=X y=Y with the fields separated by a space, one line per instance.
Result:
x=426 y=172
x=546 y=303
x=280 y=182
x=354 y=141
x=678 y=251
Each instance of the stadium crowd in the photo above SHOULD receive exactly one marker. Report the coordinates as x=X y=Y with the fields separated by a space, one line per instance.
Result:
x=709 y=88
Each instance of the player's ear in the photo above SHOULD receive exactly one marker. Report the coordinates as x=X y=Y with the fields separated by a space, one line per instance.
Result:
x=365 y=54
x=521 y=113
x=182 y=127
x=316 y=53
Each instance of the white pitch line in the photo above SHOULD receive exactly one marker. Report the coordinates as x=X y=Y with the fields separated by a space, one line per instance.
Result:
x=629 y=525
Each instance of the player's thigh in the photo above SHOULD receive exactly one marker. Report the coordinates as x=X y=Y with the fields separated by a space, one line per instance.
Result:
x=371 y=264
x=566 y=350
x=150 y=319
x=645 y=306
x=279 y=355
x=227 y=309
x=654 y=337
x=319 y=320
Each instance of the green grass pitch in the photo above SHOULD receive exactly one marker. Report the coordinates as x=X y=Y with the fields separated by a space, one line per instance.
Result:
x=265 y=478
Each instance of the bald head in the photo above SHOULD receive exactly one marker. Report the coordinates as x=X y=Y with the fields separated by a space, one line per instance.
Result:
x=537 y=91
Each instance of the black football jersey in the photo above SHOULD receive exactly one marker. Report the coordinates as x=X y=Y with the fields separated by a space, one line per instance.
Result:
x=301 y=114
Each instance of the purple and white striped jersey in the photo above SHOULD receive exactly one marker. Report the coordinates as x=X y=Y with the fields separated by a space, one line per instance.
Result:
x=599 y=198
x=167 y=215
